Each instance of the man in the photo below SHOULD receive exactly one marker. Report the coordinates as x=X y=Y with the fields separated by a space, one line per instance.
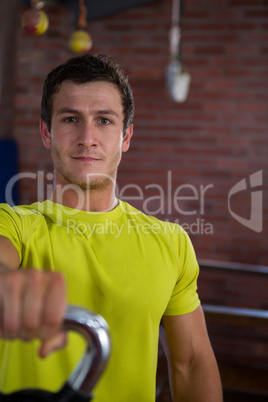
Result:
x=83 y=246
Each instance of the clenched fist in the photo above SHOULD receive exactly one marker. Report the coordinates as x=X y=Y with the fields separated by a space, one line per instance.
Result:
x=32 y=305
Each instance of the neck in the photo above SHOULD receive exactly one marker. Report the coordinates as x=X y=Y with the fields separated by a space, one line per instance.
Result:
x=86 y=200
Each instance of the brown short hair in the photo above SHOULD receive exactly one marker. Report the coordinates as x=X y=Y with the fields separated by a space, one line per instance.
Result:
x=88 y=68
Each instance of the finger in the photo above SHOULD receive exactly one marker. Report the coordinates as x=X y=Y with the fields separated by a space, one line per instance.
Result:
x=12 y=285
x=33 y=301
x=54 y=306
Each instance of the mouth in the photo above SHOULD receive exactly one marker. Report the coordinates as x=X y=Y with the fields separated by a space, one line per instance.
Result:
x=86 y=158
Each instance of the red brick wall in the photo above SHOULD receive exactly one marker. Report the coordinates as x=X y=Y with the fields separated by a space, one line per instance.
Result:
x=212 y=141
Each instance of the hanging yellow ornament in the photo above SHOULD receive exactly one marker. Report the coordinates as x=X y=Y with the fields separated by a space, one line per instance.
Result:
x=35 y=22
x=80 y=40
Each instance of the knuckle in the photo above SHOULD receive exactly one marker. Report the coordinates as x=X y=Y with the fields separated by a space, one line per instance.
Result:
x=34 y=278
x=27 y=336
x=30 y=326
x=52 y=320
x=58 y=280
x=10 y=329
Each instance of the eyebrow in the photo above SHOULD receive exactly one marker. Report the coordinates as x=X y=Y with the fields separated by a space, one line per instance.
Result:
x=66 y=110
x=109 y=112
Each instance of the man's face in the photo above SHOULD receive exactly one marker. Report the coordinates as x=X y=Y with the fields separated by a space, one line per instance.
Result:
x=86 y=137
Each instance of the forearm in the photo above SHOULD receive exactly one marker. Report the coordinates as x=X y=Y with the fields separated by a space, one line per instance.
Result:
x=197 y=382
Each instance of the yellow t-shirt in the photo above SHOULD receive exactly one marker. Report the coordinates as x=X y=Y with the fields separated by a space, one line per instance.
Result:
x=124 y=265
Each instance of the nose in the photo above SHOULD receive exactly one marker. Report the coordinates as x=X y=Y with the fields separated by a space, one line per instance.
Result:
x=87 y=135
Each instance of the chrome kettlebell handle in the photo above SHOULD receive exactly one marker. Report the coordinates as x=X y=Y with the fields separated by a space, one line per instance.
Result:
x=95 y=330
x=79 y=386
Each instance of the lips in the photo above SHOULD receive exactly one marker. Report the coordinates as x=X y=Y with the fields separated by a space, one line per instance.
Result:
x=85 y=158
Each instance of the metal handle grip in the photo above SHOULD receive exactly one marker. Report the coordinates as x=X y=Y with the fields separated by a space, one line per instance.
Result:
x=95 y=330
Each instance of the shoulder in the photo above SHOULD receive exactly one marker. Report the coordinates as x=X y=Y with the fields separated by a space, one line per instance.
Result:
x=21 y=214
x=17 y=222
x=21 y=210
x=172 y=232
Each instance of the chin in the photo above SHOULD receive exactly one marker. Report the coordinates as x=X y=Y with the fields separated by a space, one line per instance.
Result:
x=95 y=183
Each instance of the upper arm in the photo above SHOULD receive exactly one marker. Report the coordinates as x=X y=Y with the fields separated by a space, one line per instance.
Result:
x=9 y=256
x=185 y=338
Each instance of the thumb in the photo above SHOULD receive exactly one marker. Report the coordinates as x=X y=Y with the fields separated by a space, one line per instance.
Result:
x=52 y=344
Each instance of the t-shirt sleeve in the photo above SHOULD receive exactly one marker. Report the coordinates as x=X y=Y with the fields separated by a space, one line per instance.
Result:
x=184 y=297
x=11 y=226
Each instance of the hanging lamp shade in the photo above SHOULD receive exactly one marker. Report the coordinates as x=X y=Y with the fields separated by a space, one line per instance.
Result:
x=178 y=78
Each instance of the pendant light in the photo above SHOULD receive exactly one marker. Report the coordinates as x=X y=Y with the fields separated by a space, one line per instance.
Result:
x=178 y=78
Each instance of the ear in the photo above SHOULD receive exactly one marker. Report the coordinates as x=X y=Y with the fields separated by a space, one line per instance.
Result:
x=127 y=138
x=45 y=134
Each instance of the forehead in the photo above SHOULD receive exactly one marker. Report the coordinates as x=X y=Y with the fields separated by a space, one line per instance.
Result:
x=90 y=93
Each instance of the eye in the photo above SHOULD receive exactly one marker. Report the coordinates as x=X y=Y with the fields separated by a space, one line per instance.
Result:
x=104 y=121
x=70 y=119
